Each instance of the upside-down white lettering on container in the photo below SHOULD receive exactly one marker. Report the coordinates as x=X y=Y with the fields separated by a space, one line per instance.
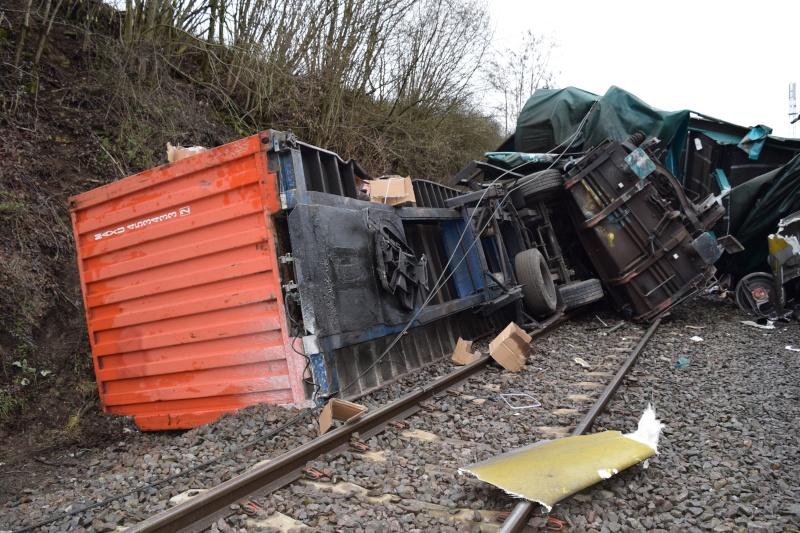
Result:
x=184 y=211
x=109 y=233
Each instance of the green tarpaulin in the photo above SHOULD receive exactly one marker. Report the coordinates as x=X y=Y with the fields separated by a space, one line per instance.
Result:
x=551 y=118
x=755 y=209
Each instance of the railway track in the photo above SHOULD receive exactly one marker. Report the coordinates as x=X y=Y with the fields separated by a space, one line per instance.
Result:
x=397 y=467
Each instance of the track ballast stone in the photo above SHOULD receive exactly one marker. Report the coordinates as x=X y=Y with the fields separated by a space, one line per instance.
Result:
x=728 y=458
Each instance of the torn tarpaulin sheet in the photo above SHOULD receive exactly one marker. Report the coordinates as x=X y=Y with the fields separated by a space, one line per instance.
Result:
x=547 y=472
x=754 y=141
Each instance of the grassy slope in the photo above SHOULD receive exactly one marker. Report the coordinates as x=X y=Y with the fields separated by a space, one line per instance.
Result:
x=72 y=124
x=79 y=120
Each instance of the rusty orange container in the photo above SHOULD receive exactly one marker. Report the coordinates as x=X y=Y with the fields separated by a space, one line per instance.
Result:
x=182 y=292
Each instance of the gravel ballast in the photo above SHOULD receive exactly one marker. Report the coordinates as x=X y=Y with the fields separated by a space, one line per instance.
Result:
x=728 y=457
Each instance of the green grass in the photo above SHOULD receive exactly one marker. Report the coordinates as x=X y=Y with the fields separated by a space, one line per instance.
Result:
x=9 y=405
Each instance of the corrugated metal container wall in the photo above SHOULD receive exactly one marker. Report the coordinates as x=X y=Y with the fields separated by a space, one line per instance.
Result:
x=182 y=292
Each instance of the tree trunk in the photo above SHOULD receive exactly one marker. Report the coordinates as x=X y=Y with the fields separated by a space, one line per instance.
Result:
x=46 y=30
x=26 y=25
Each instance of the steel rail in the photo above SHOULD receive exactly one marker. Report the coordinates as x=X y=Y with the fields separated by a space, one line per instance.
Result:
x=519 y=516
x=201 y=511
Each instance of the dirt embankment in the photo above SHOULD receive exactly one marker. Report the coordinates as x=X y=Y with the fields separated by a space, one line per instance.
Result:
x=99 y=103
x=69 y=124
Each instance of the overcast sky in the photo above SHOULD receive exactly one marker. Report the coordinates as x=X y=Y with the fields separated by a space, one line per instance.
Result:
x=732 y=60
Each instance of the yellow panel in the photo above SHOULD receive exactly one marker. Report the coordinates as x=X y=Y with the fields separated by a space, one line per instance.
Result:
x=549 y=472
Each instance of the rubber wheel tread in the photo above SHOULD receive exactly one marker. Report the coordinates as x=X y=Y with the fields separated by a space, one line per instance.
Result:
x=538 y=290
x=581 y=293
x=541 y=185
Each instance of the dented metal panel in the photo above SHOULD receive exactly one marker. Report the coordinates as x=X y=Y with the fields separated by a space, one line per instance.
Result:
x=258 y=272
x=341 y=291
x=549 y=471
x=181 y=289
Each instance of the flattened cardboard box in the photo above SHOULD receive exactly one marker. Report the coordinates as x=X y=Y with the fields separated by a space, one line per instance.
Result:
x=511 y=347
x=337 y=409
x=463 y=355
x=176 y=153
x=396 y=191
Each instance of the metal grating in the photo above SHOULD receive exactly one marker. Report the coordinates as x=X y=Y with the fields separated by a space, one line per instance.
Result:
x=418 y=347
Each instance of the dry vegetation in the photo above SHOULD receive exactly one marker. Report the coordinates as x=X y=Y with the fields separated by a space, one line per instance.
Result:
x=90 y=93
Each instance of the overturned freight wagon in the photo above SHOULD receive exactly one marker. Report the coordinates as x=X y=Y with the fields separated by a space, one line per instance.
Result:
x=650 y=239
x=257 y=272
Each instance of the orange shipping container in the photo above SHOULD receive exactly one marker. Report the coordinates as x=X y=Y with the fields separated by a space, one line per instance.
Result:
x=182 y=292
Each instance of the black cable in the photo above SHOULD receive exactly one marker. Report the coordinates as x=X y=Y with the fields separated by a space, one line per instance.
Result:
x=302 y=354
x=439 y=283
x=437 y=287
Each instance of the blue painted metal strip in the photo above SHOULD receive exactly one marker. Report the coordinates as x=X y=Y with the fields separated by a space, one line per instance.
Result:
x=451 y=233
x=320 y=374
x=292 y=176
x=473 y=262
x=722 y=180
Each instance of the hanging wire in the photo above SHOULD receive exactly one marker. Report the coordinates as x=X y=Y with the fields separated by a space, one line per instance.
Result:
x=304 y=414
x=439 y=282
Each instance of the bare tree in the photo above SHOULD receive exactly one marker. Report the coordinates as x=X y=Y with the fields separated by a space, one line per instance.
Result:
x=26 y=28
x=515 y=73
x=386 y=80
x=48 y=17
x=434 y=60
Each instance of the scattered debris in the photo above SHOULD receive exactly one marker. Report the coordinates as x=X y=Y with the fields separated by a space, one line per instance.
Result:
x=337 y=409
x=790 y=348
x=683 y=361
x=582 y=362
x=513 y=400
x=549 y=471
x=554 y=524
x=176 y=153
x=695 y=327
x=392 y=190
x=511 y=347
x=696 y=339
x=616 y=327
x=463 y=354
x=769 y=324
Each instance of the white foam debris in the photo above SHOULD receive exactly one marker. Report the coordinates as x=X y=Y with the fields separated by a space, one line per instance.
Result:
x=768 y=325
x=606 y=473
x=649 y=429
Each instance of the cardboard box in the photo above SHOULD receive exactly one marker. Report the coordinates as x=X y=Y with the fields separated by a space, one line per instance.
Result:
x=511 y=348
x=337 y=409
x=176 y=153
x=463 y=355
x=394 y=190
